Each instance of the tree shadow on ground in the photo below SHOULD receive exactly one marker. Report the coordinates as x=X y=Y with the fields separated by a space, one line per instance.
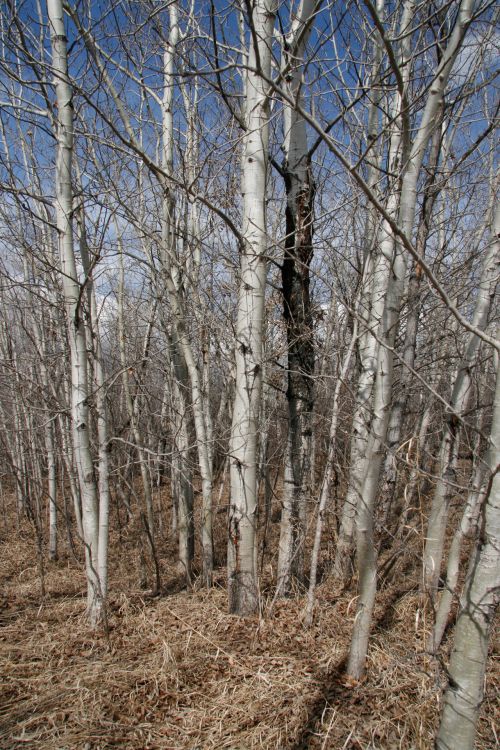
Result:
x=333 y=685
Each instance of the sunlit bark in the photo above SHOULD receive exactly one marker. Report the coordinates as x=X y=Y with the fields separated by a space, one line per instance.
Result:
x=242 y=549
x=72 y=295
x=366 y=553
x=463 y=696
x=461 y=391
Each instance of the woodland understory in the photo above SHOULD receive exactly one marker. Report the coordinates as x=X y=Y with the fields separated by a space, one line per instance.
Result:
x=249 y=374
x=174 y=671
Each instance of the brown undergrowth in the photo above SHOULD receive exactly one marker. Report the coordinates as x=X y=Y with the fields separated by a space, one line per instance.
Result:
x=177 y=672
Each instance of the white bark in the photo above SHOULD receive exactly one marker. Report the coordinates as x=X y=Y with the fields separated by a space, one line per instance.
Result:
x=71 y=290
x=69 y=463
x=182 y=479
x=467 y=523
x=40 y=339
x=398 y=408
x=436 y=529
x=462 y=699
x=52 y=489
x=421 y=441
x=242 y=569
x=412 y=162
x=170 y=268
x=367 y=343
x=94 y=343
x=176 y=300
x=342 y=566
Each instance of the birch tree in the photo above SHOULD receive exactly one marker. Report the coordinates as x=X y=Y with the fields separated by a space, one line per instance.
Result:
x=161 y=168
x=367 y=342
x=96 y=587
x=431 y=193
x=461 y=392
x=177 y=300
x=412 y=161
x=479 y=601
x=242 y=563
x=297 y=175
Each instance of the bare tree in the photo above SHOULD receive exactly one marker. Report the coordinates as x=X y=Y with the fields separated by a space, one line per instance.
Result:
x=297 y=175
x=460 y=396
x=479 y=601
x=242 y=562
x=95 y=544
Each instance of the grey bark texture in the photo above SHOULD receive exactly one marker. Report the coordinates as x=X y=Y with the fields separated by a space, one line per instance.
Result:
x=464 y=694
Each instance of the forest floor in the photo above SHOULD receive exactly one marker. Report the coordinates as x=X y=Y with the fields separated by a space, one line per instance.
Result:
x=176 y=672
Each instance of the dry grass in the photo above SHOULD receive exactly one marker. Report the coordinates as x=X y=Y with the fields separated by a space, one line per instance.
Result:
x=179 y=673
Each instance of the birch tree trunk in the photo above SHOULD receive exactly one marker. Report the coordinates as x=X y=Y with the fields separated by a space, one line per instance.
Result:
x=131 y=402
x=72 y=296
x=342 y=566
x=436 y=529
x=467 y=524
x=366 y=553
x=297 y=313
x=176 y=298
x=464 y=694
x=52 y=487
x=367 y=344
x=69 y=463
x=40 y=337
x=168 y=258
x=242 y=549
x=328 y=475
x=182 y=479
x=95 y=347
x=431 y=193
x=133 y=412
